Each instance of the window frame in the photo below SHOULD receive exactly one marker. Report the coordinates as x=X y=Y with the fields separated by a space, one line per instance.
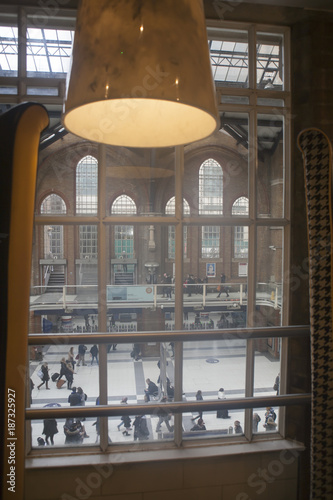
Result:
x=252 y=222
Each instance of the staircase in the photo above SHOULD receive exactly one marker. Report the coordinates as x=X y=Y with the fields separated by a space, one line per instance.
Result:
x=56 y=282
x=124 y=279
x=89 y=274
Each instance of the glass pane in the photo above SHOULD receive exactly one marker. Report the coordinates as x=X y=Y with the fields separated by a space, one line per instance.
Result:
x=212 y=371
x=71 y=432
x=271 y=167
x=270 y=64
x=6 y=90
x=229 y=57
x=8 y=51
x=59 y=379
x=48 y=52
x=139 y=176
x=86 y=185
x=43 y=91
x=267 y=361
x=263 y=101
x=140 y=373
x=215 y=283
x=234 y=99
x=269 y=297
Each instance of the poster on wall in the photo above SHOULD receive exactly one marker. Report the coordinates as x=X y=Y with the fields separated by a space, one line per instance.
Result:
x=211 y=270
x=242 y=269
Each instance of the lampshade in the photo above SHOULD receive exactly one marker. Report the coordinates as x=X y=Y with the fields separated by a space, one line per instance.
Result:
x=140 y=74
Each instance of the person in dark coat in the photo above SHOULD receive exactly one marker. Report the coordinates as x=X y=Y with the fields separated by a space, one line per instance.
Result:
x=223 y=288
x=141 y=431
x=222 y=413
x=46 y=376
x=67 y=371
x=152 y=389
x=127 y=424
x=74 y=431
x=83 y=396
x=69 y=374
x=198 y=397
x=94 y=353
x=124 y=402
x=74 y=398
x=50 y=429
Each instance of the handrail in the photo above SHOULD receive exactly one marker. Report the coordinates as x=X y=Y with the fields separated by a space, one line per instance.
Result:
x=180 y=335
x=173 y=407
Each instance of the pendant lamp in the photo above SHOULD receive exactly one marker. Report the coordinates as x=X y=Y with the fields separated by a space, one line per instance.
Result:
x=140 y=74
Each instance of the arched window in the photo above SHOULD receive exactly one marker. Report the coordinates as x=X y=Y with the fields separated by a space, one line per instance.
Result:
x=124 y=234
x=86 y=185
x=241 y=233
x=210 y=188
x=210 y=203
x=53 y=235
x=86 y=203
x=170 y=210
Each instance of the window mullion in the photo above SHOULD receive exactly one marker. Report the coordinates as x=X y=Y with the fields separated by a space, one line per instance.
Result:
x=102 y=305
x=179 y=169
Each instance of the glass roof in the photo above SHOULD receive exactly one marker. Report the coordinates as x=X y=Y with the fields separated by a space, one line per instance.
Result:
x=8 y=51
x=48 y=51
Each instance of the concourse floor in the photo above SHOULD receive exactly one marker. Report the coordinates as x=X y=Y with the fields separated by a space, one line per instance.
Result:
x=207 y=366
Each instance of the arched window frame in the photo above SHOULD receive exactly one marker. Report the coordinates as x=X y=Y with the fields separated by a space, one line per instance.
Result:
x=53 y=238
x=170 y=210
x=86 y=203
x=124 y=234
x=241 y=233
x=210 y=203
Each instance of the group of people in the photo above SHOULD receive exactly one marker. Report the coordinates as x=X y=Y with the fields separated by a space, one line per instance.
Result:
x=67 y=366
x=140 y=426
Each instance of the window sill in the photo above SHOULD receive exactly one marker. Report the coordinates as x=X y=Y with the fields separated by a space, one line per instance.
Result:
x=188 y=452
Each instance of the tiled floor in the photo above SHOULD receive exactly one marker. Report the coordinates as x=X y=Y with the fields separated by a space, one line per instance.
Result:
x=207 y=366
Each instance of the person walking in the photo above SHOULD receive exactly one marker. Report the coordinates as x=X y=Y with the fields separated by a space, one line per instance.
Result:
x=163 y=416
x=124 y=402
x=50 y=429
x=189 y=285
x=45 y=376
x=222 y=288
x=71 y=357
x=81 y=351
x=141 y=431
x=69 y=375
x=198 y=397
x=94 y=353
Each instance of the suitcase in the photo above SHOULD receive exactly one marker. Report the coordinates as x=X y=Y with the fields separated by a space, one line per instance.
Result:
x=60 y=383
x=55 y=376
